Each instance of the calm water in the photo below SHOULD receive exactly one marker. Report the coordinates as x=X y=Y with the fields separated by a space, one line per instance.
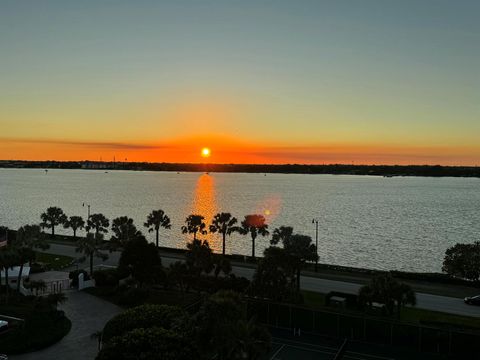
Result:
x=375 y=222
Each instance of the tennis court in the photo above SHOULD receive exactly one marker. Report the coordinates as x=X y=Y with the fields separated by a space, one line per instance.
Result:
x=283 y=349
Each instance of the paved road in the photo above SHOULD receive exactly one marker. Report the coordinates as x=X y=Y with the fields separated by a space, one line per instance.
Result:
x=88 y=315
x=425 y=301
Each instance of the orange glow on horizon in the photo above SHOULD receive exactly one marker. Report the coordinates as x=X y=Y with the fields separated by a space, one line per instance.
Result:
x=229 y=150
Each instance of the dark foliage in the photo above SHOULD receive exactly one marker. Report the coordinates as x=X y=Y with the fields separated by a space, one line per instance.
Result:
x=140 y=259
x=463 y=260
x=106 y=277
x=144 y=316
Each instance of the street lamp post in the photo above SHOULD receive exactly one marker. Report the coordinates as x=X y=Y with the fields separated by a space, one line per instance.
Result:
x=315 y=221
x=88 y=212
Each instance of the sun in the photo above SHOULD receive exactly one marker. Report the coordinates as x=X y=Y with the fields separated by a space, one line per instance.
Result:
x=206 y=152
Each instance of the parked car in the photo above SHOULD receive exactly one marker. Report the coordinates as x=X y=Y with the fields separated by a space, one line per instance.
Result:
x=472 y=300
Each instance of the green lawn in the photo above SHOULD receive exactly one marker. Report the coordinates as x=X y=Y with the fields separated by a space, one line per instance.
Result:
x=54 y=261
x=316 y=300
x=434 y=318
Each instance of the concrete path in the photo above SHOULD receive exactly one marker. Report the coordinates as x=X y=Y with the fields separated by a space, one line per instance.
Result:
x=425 y=301
x=88 y=315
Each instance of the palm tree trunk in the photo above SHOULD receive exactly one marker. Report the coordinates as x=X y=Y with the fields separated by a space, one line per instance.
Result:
x=53 y=231
x=253 y=247
x=74 y=234
x=298 y=279
x=6 y=285
x=157 y=239
x=19 y=279
x=91 y=265
x=223 y=245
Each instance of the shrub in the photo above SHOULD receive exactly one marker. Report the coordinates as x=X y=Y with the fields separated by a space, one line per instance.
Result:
x=106 y=277
x=36 y=268
x=132 y=296
x=144 y=316
x=151 y=343
x=41 y=330
x=73 y=275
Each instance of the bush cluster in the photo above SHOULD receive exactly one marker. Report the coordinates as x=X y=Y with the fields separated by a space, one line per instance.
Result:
x=142 y=317
x=106 y=277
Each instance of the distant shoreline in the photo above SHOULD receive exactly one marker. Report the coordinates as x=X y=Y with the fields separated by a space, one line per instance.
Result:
x=333 y=169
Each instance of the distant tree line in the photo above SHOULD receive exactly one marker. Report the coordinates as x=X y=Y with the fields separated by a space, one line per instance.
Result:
x=338 y=169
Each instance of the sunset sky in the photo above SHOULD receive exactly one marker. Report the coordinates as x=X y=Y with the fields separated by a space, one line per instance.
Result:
x=385 y=82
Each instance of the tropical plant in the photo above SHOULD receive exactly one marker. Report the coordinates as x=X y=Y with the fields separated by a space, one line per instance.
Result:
x=150 y=343
x=52 y=217
x=176 y=274
x=250 y=341
x=155 y=220
x=124 y=230
x=298 y=248
x=274 y=276
x=384 y=289
x=28 y=238
x=140 y=259
x=143 y=316
x=194 y=224
x=224 y=332
x=91 y=246
x=254 y=225
x=198 y=257
x=223 y=223
x=8 y=259
x=75 y=223
x=222 y=264
x=98 y=222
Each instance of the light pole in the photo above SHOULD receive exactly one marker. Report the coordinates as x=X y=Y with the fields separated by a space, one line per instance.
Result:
x=88 y=206
x=315 y=221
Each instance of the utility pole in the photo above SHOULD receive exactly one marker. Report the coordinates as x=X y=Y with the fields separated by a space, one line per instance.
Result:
x=315 y=221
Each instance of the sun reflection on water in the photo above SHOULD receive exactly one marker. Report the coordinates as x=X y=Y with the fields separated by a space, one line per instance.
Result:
x=205 y=204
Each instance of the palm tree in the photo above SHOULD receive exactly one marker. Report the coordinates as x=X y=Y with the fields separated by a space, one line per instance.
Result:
x=195 y=224
x=124 y=230
x=255 y=225
x=155 y=220
x=224 y=223
x=404 y=295
x=91 y=246
x=29 y=238
x=281 y=234
x=298 y=248
x=54 y=216
x=98 y=222
x=75 y=223
x=176 y=274
x=250 y=341
x=8 y=259
x=388 y=291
